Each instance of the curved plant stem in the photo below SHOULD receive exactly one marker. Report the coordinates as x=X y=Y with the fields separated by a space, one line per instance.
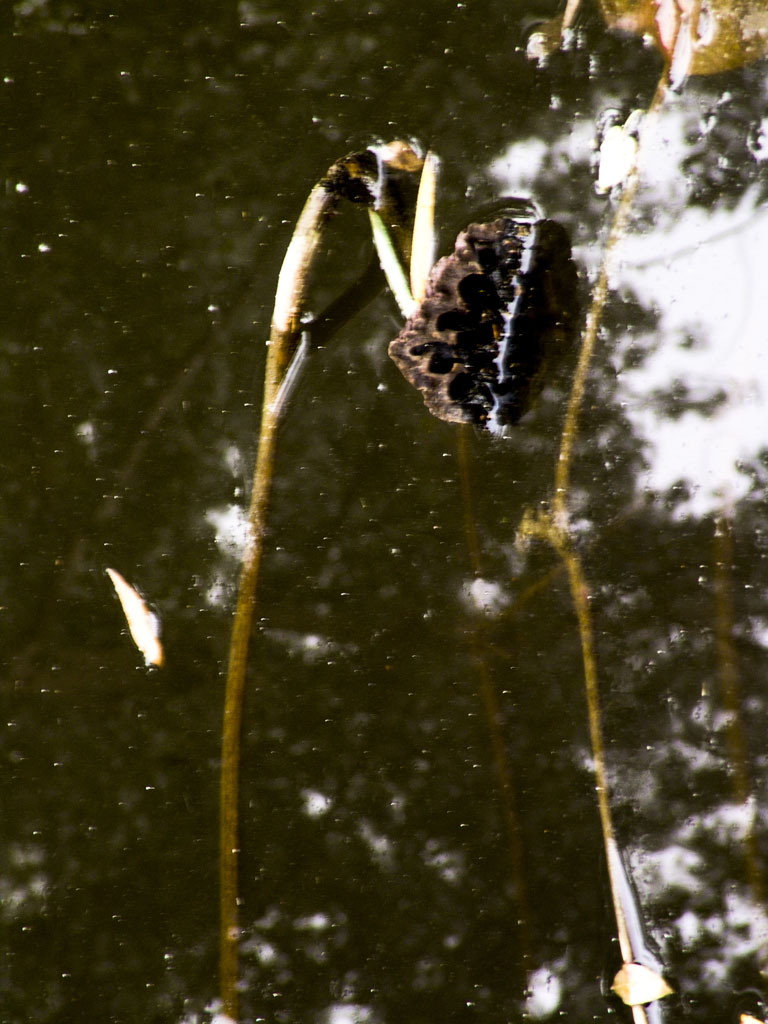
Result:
x=592 y=326
x=233 y=713
x=589 y=338
x=283 y=342
x=554 y=527
x=358 y=177
x=545 y=528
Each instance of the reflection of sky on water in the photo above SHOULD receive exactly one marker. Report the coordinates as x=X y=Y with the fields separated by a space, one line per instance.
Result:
x=701 y=272
x=713 y=310
x=713 y=933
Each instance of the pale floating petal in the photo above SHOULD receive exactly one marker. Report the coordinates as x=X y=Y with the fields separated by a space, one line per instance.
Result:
x=635 y=984
x=142 y=623
x=747 y=1018
x=618 y=153
x=424 y=246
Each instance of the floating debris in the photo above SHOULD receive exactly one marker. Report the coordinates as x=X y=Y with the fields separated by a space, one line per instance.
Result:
x=635 y=984
x=618 y=153
x=497 y=313
x=143 y=624
x=698 y=38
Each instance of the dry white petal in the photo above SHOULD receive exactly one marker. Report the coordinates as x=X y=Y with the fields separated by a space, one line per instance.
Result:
x=635 y=984
x=747 y=1018
x=142 y=623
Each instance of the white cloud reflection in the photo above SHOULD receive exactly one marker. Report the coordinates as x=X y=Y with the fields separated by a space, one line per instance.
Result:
x=702 y=273
x=713 y=315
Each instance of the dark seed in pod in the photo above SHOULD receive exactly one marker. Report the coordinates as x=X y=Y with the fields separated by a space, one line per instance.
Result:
x=497 y=314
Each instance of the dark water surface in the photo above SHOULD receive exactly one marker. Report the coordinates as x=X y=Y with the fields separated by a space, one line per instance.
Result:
x=156 y=157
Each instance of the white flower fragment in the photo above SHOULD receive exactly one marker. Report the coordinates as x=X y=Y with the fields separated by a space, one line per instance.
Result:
x=618 y=154
x=635 y=984
x=143 y=624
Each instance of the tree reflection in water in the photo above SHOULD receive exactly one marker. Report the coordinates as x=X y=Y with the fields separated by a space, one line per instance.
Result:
x=152 y=180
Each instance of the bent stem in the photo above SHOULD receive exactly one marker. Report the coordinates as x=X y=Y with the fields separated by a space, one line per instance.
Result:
x=359 y=178
x=628 y=924
x=545 y=528
x=283 y=343
x=593 y=321
x=554 y=527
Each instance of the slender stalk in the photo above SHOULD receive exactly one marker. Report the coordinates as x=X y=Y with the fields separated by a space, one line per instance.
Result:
x=392 y=266
x=589 y=338
x=594 y=319
x=424 y=245
x=544 y=527
x=580 y=598
x=283 y=342
x=554 y=527
x=233 y=711
x=353 y=177
x=730 y=688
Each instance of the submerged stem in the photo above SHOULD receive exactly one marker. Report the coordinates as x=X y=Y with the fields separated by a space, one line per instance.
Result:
x=593 y=321
x=546 y=528
x=283 y=343
x=493 y=715
x=355 y=178
x=554 y=527
x=580 y=597
x=730 y=690
x=233 y=710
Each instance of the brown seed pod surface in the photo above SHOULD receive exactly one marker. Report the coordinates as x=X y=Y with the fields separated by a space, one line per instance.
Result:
x=497 y=313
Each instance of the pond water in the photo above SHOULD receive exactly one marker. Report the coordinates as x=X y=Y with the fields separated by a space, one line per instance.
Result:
x=156 y=159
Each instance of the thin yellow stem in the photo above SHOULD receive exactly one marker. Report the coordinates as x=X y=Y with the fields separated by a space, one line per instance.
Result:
x=592 y=325
x=546 y=528
x=348 y=177
x=589 y=338
x=580 y=598
x=424 y=244
x=283 y=341
x=555 y=528
x=233 y=714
